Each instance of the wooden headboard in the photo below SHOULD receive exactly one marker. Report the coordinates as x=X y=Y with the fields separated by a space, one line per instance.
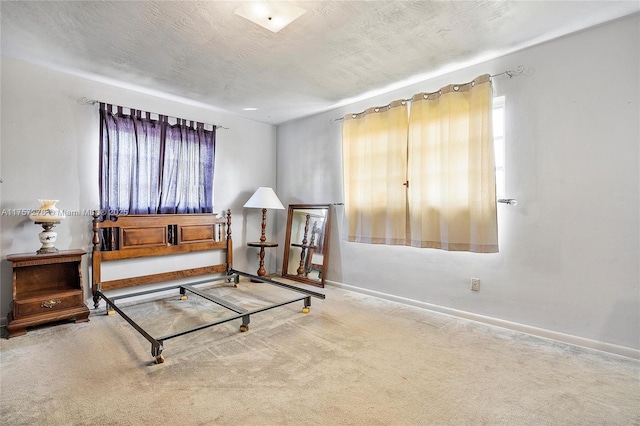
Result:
x=138 y=236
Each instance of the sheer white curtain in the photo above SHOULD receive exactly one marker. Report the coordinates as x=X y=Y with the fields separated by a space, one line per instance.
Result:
x=374 y=169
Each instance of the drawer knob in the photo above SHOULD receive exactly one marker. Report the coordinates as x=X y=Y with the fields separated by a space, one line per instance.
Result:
x=50 y=303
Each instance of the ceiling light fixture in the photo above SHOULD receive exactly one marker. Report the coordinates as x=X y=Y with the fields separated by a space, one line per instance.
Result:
x=273 y=16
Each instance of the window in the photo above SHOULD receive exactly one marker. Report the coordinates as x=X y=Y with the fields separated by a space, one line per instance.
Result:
x=499 y=145
x=153 y=164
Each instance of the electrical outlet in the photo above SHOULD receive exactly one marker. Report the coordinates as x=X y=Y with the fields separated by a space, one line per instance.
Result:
x=475 y=284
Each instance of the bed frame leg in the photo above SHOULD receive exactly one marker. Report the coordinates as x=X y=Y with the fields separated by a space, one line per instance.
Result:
x=307 y=305
x=183 y=294
x=110 y=310
x=245 y=324
x=156 y=351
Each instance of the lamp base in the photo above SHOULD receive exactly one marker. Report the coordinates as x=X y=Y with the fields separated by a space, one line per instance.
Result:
x=48 y=238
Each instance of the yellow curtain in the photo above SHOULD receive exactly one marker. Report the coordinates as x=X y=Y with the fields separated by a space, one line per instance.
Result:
x=375 y=164
x=451 y=171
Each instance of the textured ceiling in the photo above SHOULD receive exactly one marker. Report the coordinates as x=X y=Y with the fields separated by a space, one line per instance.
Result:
x=338 y=50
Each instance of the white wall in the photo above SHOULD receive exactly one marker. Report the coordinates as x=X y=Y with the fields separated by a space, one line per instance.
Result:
x=49 y=149
x=569 y=251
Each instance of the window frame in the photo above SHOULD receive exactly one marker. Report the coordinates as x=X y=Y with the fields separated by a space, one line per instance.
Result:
x=499 y=145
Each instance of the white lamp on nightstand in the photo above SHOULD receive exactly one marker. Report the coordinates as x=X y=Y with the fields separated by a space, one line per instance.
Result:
x=48 y=216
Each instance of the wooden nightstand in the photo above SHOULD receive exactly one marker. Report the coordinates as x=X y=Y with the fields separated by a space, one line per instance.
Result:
x=46 y=288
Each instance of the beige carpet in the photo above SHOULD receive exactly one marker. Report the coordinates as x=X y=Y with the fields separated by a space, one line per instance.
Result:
x=353 y=360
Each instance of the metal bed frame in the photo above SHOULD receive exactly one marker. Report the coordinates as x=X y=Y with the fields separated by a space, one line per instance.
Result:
x=128 y=237
x=157 y=343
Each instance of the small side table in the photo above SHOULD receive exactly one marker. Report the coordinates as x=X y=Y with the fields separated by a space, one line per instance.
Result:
x=46 y=287
x=262 y=244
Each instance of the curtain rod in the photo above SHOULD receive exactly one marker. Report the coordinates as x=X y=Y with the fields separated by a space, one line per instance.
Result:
x=86 y=101
x=509 y=73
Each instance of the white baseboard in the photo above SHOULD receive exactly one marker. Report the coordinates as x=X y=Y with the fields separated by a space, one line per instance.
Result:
x=523 y=328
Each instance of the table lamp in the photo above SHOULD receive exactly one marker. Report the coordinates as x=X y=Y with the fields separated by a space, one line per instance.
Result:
x=264 y=198
x=48 y=216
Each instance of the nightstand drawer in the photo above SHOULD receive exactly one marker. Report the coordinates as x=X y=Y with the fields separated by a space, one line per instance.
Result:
x=50 y=303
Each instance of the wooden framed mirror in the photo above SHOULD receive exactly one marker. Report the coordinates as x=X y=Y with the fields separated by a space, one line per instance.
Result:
x=306 y=245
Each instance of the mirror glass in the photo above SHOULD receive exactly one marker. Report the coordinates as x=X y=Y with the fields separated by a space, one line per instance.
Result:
x=306 y=248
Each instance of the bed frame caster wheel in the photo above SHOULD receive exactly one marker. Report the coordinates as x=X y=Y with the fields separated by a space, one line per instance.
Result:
x=159 y=359
x=111 y=312
x=244 y=328
x=184 y=297
x=305 y=310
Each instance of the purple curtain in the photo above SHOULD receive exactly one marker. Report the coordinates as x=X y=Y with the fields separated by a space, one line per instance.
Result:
x=148 y=166
x=187 y=174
